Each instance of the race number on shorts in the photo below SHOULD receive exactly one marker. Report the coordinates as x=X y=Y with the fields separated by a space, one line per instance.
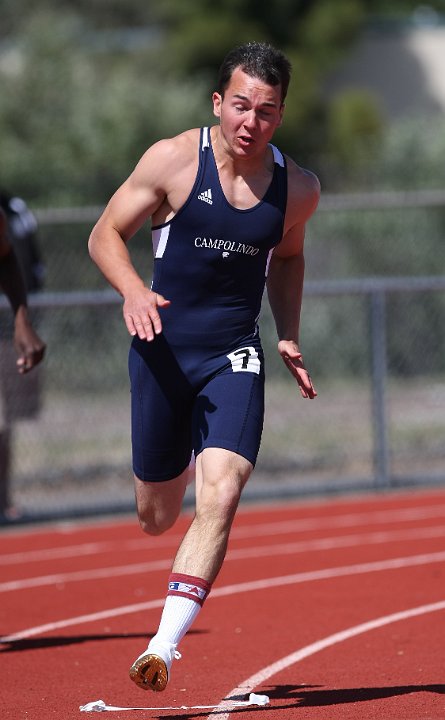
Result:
x=245 y=360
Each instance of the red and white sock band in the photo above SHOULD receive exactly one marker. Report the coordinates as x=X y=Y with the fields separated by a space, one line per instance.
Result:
x=188 y=586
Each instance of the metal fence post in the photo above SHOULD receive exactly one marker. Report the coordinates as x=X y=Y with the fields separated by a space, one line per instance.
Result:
x=378 y=377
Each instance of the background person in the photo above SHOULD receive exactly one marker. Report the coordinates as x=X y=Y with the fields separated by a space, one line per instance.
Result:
x=20 y=271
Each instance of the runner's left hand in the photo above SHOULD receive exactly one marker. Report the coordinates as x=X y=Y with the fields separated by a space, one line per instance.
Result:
x=293 y=360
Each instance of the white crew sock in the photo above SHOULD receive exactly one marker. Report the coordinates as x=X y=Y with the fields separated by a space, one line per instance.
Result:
x=186 y=595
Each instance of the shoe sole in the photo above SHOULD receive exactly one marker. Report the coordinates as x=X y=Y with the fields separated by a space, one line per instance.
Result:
x=150 y=673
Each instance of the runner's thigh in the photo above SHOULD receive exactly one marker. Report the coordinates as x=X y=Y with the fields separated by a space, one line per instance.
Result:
x=161 y=410
x=229 y=410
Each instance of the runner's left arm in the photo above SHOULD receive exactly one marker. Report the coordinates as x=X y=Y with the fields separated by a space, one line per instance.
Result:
x=286 y=276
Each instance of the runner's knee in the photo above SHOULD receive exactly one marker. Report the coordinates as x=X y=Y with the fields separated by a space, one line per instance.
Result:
x=155 y=523
x=220 y=485
x=159 y=504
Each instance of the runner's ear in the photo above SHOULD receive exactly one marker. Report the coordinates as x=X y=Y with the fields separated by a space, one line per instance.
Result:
x=217 y=102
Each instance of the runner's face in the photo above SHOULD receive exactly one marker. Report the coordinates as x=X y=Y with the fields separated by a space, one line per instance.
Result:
x=249 y=113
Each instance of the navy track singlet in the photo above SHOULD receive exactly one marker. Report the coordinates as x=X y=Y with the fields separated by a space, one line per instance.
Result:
x=211 y=259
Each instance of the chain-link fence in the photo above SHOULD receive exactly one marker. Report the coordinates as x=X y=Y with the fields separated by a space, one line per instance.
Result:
x=373 y=336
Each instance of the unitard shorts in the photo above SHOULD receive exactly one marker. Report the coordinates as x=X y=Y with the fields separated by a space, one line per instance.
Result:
x=185 y=399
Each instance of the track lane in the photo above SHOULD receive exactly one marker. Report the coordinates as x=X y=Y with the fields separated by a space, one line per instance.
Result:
x=238 y=632
x=317 y=693
x=321 y=544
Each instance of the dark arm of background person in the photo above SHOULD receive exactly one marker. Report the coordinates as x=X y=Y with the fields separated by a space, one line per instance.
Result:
x=30 y=348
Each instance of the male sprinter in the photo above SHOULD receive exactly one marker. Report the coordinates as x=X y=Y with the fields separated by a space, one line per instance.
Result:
x=228 y=210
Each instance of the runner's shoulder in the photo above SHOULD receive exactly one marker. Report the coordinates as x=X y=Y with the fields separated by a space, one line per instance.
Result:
x=176 y=151
x=303 y=184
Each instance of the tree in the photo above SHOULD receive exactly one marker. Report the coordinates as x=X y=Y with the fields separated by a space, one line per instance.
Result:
x=313 y=34
x=87 y=87
x=73 y=120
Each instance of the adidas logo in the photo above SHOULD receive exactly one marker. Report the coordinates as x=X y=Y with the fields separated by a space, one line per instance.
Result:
x=206 y=196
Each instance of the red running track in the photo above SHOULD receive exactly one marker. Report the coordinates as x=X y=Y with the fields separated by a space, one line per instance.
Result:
x=333 y=609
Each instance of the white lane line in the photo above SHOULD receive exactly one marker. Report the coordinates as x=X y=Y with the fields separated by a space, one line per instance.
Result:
x=348 y=520
x=305 y=652
x=340 y=541
x=249 y=531
x=303 y=546
x=87 y=549
x=265 y=583
x=85 y=575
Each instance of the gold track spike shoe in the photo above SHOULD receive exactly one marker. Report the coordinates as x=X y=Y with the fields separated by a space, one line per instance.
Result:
x=151 y=670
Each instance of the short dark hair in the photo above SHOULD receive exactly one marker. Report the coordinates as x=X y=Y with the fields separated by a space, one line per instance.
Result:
x=259 y=60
